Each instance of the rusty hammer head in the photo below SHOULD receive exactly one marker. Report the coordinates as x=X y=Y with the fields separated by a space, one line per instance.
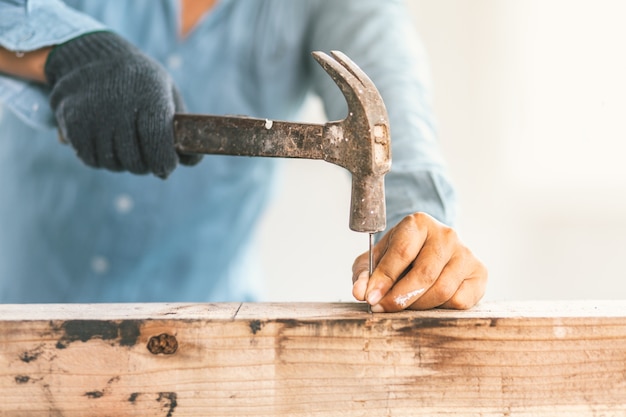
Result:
x=360 y=142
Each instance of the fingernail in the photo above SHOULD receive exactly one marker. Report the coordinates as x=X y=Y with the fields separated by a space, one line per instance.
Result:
x=378 y=309
x=374 y=297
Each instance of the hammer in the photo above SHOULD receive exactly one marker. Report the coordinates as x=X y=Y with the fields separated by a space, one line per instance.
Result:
x=359 y=143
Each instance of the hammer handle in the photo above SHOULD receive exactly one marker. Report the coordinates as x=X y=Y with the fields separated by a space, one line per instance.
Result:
x=247 y=136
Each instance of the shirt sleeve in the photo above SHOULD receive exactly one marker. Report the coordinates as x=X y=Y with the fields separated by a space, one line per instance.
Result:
x=27 y=26
x=379 y=37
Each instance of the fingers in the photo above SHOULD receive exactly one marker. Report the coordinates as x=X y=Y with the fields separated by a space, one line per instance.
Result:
x=83 y=141
x=359 y=287
x=446 y=285
x=420 y=264
x=189 y=159
x=156 y=142
x=470 y=292
x=432 y=264
x=460 y=286
x=360 y=276
x=401 y=247
x=126 y=147
x=360 y=269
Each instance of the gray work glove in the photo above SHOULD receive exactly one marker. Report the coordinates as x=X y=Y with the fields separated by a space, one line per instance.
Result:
x=115 y=105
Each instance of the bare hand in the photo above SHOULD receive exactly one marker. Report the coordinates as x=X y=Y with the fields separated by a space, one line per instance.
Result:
x=419 y=264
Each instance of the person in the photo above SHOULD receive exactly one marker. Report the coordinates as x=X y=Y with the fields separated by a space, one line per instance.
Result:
x=83 y=223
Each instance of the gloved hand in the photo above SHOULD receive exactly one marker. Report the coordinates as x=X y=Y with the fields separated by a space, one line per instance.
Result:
x=115 y=105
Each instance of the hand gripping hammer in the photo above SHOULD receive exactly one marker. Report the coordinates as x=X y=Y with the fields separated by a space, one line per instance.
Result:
x=360 y=142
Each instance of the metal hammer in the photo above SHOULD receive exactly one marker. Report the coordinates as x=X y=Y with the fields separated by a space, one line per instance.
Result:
x=360 y=142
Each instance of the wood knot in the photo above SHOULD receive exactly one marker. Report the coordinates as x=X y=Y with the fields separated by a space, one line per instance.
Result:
x=163 y=343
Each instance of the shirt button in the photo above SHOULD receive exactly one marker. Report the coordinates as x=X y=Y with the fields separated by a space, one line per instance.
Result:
x=174 y=62
x=99 y=264
x=123 y=203
x=35 y=107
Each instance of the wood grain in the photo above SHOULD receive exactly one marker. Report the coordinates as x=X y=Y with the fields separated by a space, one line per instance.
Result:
x=328 y=359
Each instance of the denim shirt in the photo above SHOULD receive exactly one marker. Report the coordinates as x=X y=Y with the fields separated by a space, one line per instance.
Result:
x=71 y=233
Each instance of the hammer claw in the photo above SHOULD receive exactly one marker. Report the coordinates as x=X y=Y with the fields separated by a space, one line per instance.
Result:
x=349 y=77
x=344 y=74
x=354 y=69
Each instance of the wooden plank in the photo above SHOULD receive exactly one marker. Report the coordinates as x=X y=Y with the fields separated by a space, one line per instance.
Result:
x=498 y=359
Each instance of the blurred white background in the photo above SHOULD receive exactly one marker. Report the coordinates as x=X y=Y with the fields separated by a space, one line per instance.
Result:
x=530 y=98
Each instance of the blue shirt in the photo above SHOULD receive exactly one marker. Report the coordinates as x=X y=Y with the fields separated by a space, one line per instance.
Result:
x=70 y=233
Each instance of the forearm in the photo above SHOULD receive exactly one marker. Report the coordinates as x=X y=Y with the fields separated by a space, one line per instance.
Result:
x=29 y=29
x=32 y=28
x=27 y=65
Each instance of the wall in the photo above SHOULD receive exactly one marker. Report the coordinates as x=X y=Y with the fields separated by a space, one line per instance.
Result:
x=530 y=98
